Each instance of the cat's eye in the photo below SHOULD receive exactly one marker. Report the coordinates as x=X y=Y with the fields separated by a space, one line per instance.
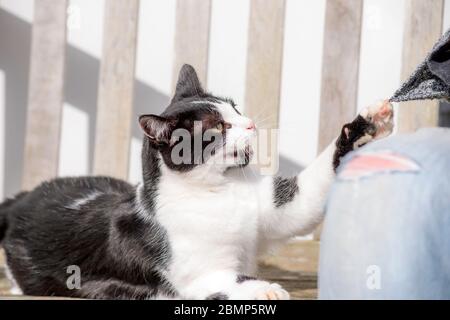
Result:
x=221 y=126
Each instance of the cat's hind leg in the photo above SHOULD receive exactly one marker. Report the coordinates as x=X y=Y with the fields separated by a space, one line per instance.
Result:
x=120 y=290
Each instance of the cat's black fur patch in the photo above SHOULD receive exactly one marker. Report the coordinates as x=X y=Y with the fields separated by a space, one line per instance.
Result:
x=218 y=296
x=356 y=130
x=115 y=289
x=112 y=243
x=285 y=189
x=3 y=213
x=242 y=278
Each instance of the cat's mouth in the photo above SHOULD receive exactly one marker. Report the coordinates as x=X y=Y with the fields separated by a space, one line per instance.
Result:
x=242 y=156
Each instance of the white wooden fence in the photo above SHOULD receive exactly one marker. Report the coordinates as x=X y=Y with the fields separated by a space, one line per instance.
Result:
x=339 y=89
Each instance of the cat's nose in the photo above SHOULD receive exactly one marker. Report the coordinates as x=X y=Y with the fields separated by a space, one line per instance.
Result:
x=251 y=125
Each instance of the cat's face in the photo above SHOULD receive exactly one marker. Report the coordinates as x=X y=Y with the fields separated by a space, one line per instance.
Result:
x=199 y=129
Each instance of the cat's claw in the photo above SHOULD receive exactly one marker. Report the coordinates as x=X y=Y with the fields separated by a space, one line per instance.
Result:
x=381 y=115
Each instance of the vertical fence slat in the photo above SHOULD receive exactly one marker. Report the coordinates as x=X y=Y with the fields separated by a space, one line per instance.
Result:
x=423 y=27
x=115 y=94
x=264 y=63
x=192 y=37
x=264 y=60
x=340 y=66
x=45 y=94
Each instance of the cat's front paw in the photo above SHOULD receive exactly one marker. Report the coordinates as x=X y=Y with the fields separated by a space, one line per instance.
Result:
x=372 y=123
x=260 y=290
x=273 y=291
x=381 y=116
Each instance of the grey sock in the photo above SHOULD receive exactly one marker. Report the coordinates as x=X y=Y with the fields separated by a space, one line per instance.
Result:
x=431 y=79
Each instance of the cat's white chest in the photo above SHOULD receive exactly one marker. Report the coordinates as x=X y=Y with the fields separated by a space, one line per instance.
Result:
x=209 y=229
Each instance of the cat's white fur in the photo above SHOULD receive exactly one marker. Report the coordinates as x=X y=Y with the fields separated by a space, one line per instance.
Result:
x=225 y=223
x=78 y=203
x=14 y=287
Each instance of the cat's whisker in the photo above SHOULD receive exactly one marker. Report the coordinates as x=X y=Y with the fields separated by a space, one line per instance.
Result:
x=268 y=116
x=258 y=120
x=253 y=172
x=245 y=176
x=265 y=125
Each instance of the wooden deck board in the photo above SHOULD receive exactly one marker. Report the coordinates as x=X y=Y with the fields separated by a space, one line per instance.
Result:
x=293 y=267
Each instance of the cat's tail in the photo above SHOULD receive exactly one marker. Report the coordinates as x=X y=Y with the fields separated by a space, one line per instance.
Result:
x=3 y=212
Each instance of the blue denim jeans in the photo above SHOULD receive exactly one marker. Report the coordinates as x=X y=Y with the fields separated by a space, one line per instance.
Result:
x=387 y=227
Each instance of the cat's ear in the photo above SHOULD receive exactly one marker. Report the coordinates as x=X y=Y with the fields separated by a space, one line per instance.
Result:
x=158 y=129
x=188 y=84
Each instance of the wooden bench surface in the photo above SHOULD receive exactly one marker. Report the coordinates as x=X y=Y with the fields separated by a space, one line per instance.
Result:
x=294 y=267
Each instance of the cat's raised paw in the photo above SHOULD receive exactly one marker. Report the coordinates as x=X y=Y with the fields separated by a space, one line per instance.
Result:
x=381 y=116
x=372 y=123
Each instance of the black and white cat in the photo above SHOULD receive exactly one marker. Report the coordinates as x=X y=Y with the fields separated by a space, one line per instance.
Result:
x=190 y=230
